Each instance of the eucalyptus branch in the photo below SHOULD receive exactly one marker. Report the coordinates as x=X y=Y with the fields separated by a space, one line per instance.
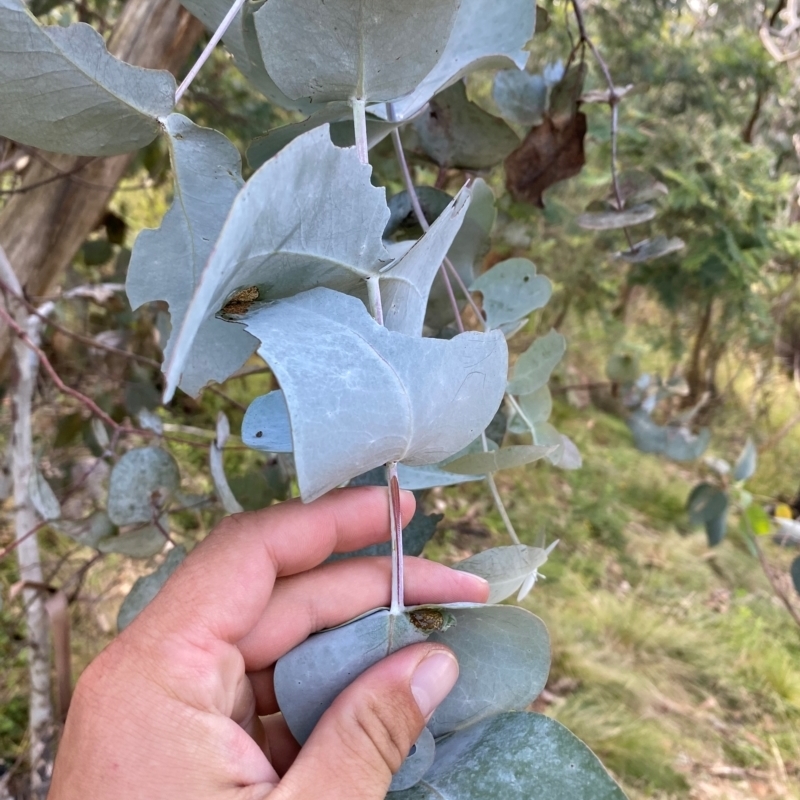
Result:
x=396 y=522
x=614 y=98
x=209 y=48
x=498 y=500
x=360 y=128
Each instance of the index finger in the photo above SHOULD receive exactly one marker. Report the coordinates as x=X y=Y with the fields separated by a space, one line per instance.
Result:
x=223 y=587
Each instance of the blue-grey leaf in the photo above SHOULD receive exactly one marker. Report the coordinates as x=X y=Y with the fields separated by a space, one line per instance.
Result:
x=455 y=132
x=88 y=531
x=716 y=528
x=537 y=406
x=705 y=503
x=340 y=49
x=487 y=34
x=61 y=90
x=276 y=248
x=534 y=366
x=650 y=249
x=42 y=496
x=266 y=424
x=265 y=147
x=467 y=251
x=246 y=53
x=432 y=201
x=610 y=220
x=515 y=455
x=406 y=284
x=675 y=442
x=417 y=763
x=520 y=96
x=515 y=756
x=141 y=485
x=504 y=658
x=147 y=587
x=166 y=263
x=511 y=290
x=794 y=571
x=746 y=464
x=506 y=569
x=310 y=677
x=359 y=395
x=143 y=542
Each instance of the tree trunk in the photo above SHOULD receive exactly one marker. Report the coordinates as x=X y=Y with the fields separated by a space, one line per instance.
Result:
x=694 y=375
x=43 y=226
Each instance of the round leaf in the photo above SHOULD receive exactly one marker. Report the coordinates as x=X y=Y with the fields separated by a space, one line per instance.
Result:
x=141 y=484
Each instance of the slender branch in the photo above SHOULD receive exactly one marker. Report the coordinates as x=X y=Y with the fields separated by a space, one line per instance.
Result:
x=779 y=593
x=375 y=302
x=498 y=500
x=209 y=48
x=613 y=101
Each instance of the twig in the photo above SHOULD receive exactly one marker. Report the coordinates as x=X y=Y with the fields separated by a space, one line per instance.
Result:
x=613 y=101
x=396 y=523
x=209 y=48
x=779 y=593
x=360 y=128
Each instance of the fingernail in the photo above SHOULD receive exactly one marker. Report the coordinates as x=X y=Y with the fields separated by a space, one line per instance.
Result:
x=433 y=679
x=406 y=493
x=476 y=578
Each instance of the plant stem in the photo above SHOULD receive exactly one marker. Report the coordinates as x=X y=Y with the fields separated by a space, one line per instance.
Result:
x=360 y=127
x=779 y=593
x=209 y=48
x=518 y=409
x=375 y=302
x=396 y=522
x=498 y=500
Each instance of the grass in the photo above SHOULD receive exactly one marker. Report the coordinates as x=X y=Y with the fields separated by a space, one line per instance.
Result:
x=676 y=664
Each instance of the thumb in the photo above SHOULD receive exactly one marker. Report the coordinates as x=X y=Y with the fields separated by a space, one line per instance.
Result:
x=365 y=736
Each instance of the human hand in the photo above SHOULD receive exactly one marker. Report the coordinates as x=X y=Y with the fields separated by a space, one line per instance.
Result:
x=172 y=708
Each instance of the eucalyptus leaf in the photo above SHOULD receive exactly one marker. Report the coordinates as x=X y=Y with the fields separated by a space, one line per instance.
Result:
x=507 y=569
x=406 y=284
x=537 y=406
x=417 y=763
x=359 y=395
x=650 y=249
x=340 y=49
x=746 y=463
x=675 y=442
x=166 y=263
x=705 y=503
x=147 y=587
x=468 y=250
x=143 y=542
x=505 y=458
x=240 y=40
x=534 y=366
x=503 y=654
x=266 y=424
x=566 y=94
x=514 y=756
x=88 y=531
x=401 y=213
x=613 y=219
x=42 y=496
x=141 y=484
x=457 y=133
x=271 y=248
x=310 y=677
x=487 y=34
x=520 y=96
x=511 y=289
x=62 y=91
x=418 y=478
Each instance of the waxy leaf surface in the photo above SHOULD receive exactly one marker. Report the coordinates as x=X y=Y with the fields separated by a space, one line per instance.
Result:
x=507 y=569
x=359 y=395
x=746 y=464
x=342 y=49
x=515 y=756
x=504 y=659
x=141 y=484
x=147 y=587
x=281 y=248
x=534 y=366
x=62 y=91
x=520 y=96
x=511 y=290
x=455 y=132
x=486 y=34
x=166 y=263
